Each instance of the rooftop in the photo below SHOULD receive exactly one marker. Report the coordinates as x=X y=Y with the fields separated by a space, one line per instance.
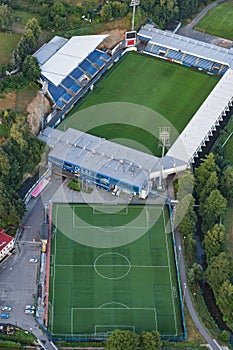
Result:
x=4 y=239
x=60 y=56
x=187 y=45
x=105 y=157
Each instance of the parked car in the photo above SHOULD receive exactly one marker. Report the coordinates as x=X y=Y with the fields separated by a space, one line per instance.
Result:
x=29 y=307
x=29 y=311
x=118 y=193
x=4 y=316
x=6 y=308
x=33 y=260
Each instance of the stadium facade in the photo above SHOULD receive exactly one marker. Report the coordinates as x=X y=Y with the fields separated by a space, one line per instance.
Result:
x=70 y=68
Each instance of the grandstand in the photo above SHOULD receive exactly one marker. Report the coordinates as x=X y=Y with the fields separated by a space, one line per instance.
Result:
x=106 y=164
x=185 y=51
x=68 y=65
x=210 y=58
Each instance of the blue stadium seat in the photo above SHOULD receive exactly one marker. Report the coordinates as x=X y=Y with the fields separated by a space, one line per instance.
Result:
x=76 y=73
x=67 y=82
x=204 y=64
x=60 y=104
x=189 y=59
x=224 y=69
x=66 y=97
x=75 y=88
x=175 y=55
x=155 y=50
x=96 y=57
x=148 y=47
x=55 y=91
x=87 y=67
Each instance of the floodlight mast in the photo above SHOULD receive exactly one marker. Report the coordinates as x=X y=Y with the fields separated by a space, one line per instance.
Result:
x=164 y=141
x=42 y=94
x=134 y=3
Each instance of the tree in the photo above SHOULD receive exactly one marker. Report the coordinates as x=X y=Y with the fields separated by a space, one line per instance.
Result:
x=118 y=9
x=213 y=210
x=226 y=183
x=185 y=185
x=150 y=341
x=34 y=26
x=225 y=301
x=185 y=216
x=218 y=271
x=195 y=273
x=202 y=173
x=31 y=69
x=6 y=17
x=214 y=241
x=210 y=185
x=106 y=12
x=122 y=340
x=225 y=336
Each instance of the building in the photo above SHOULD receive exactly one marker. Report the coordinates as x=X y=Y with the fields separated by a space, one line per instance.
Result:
x=6 y=244
x=106 y=164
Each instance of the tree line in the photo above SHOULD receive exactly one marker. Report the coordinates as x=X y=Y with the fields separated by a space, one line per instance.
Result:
x=211 y=194
x=20 y=152
x=55 y=14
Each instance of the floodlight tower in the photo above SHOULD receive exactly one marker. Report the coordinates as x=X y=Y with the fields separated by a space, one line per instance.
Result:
x=134 y=3
x=164 y=141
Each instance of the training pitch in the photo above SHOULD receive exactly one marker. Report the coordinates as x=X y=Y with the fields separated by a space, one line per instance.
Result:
x=112 y=267
x=175 y=92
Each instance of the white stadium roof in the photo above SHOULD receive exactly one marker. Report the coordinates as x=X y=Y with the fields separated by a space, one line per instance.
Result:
x=205 y=120
x=68 y=56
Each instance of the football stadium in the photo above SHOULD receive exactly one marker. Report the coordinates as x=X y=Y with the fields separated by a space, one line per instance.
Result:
x=114 y=266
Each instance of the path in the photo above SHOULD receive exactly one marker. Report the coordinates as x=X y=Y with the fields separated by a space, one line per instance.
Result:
x=192 y=33
x=186 y=294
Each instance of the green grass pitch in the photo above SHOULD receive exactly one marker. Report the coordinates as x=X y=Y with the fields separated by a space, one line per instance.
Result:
x=112 y=267
x=174 y=91
x=218 y=21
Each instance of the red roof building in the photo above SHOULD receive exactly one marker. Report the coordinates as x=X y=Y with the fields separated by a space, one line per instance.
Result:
x=6 y=244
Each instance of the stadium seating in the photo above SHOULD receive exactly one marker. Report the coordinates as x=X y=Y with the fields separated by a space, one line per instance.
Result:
x=98 y=57
x=75 y=88
x=60 y=104
x=76 y=73
x=204 y=64
x=87 y=67
x=66 y=97
x=95 y=57
x=67 y=82
x=189 y=59
x=175 y=55
x=156 y=49
x=55 y=91
x=148 y=47
x=223 y=70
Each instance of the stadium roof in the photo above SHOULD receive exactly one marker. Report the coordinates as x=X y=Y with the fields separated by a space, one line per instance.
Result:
x=4 y=239
x=105 y=157
x=49 y=49
x=62 y=61
x=205 y=120
x=188 y=45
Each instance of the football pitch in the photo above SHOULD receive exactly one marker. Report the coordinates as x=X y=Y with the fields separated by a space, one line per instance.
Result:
x=112 y=267
x=173 y=91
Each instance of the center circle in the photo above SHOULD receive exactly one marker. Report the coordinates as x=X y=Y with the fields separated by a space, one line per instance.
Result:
x=112 y=266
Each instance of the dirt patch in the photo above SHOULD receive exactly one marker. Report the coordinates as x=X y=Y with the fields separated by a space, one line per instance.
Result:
x=34 y=110
x=8 y=101
x=115 y=36
x=223 y=43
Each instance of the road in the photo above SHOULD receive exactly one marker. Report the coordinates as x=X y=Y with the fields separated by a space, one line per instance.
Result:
x=192 y=33
x=19 y=278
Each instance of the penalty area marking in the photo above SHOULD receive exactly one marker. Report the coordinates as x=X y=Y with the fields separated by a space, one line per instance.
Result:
x=111 y=308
